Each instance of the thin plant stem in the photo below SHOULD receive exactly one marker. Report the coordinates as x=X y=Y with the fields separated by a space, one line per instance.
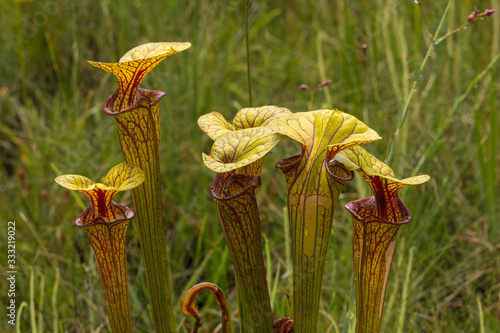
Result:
x=55 y=315
x=401 y=321
x=481 y=315
x=41 y=297
x=286 y=231
x=478 y=17
x=32 y=301
x=19 y=315
x=321 y=66
x=350 y=314
x=427 y=26
x=248 y=54
x=311 y=101
x=416 y=81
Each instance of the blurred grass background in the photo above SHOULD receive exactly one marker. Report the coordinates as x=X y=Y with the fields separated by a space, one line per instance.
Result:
x=51 y=119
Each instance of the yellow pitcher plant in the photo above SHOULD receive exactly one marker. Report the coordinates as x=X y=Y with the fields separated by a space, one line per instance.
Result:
x=105 y=223
x=136 y=112
x=376 y=221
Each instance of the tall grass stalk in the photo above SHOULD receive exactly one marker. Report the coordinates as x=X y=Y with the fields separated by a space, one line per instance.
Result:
x=416 y=80
x=402 y=312
x=55 y=288
x=481 y=315
x=350 y=312
x=19 y=313
x=247 y=44
x=34 y=325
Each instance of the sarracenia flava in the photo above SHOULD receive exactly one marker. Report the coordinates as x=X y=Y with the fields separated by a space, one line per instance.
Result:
x=105 y=223
x=237 y=156
x=136 y=112
x=376 y=221
x=314 y=183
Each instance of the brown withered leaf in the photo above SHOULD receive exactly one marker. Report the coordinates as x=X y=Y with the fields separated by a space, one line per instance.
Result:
x=283 y=325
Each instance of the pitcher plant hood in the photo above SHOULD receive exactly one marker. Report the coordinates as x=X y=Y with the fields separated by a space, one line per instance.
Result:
x=133 y=67
x=216 y=126
x=381 y=179
x=122 y=177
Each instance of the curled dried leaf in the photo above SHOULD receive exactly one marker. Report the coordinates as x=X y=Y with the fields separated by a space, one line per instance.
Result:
x=189 y=307
x=283 y=325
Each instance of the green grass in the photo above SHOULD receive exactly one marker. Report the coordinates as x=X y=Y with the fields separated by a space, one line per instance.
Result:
x=51 y=100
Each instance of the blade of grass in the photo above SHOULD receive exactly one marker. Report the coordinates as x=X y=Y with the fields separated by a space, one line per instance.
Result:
x=350 y=314
x=330 y=318
x=55 y=288
x=286 y=234
x=274 y=289
x=19 y=316
x=201 y=235
x=269 y=269
x=247 y=42
x=32 y=302
x=481 y=314
x=41 y=298
x=402 y=312
x=321 y=66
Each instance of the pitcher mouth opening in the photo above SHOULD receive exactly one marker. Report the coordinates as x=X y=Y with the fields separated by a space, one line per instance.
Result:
x=342 y=174
x=363 y=209
x=126 y=215
x=229 y=185
x=151 y=96
x=287 y=163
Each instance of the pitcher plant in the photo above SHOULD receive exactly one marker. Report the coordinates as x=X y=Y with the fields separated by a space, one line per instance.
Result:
x=314 y=183
x=136 y=112
x=105 y=223
x=376 y=221
x=237 y=156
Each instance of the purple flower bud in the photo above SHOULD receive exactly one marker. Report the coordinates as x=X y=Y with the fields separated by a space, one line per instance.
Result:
x=489 y=11
x=322 y=84
x=304 y=87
